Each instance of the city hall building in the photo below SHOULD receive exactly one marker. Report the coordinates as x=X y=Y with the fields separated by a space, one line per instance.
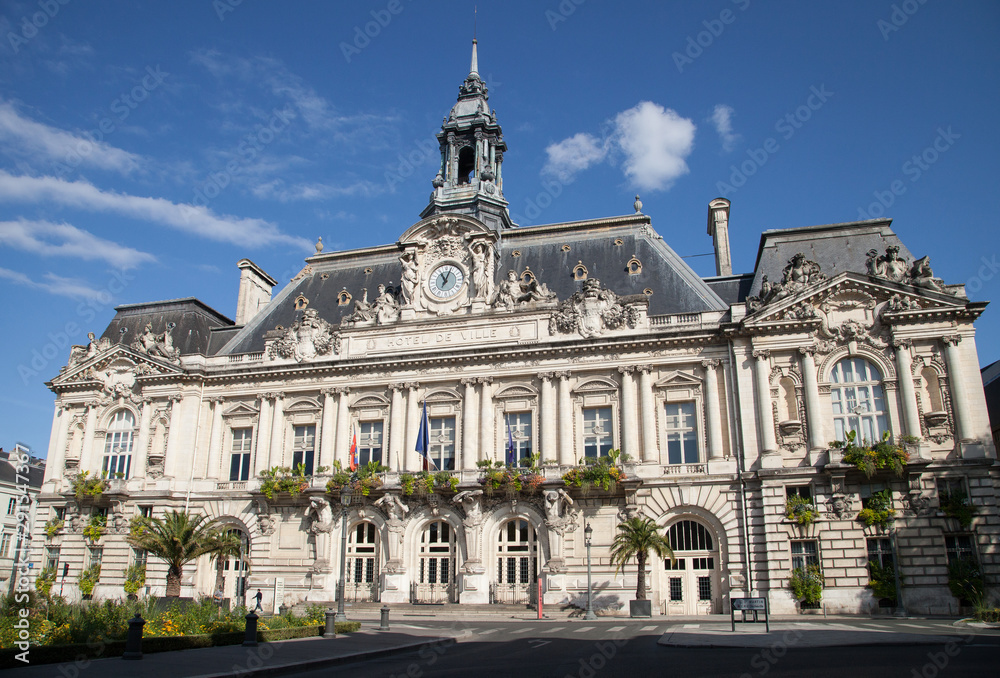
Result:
x=564 y=341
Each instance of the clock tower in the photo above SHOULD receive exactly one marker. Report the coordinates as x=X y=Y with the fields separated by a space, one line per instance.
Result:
x=470 y=178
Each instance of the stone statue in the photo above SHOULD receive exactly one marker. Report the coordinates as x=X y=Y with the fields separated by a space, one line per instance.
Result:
x=798 y=274
x=472 y=502
x=394 y=507
x=508 y=292
x=386 y=308
x=362 y=309
x=890 y=265
x=157 y=345
x=396 y=510
x=482 y=269
x=922 y=275
x=410 y=277
x=321 y=517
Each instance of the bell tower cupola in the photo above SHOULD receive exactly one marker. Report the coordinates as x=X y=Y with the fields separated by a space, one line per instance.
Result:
x=469 y=179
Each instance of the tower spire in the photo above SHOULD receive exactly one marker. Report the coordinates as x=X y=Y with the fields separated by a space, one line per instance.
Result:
x=474 y=68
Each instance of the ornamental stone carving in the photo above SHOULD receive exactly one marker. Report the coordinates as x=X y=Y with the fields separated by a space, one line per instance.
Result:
x=308 y=338
x=321 y=524
x=158 y=345
x=798 y=274
x=514 y=292
x=891 y=266
x=482 y=269
x=81 y=353
x=595 y=310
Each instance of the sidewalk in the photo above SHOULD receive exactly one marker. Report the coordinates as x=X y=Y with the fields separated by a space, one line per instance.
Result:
x=796 y=634
x=277 y=658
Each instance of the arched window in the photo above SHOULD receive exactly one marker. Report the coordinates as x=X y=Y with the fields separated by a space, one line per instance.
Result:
x=436 y=566
x=118 y=445
x=858 y=400
x=688 y=535
x=362 y=563
x=517 y=550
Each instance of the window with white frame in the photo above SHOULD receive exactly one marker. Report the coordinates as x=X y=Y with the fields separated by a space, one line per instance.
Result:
x=239 y=463
x=682 y=433
x=804 y=553
x=52 y=557
x=4 y=544
x=858 y=400
x=803 y=491
x=597 y=432
x=11 y=506
x=139 y=556
x=118 y=445
x=442 y=443
x=305 y=447
x=370 y=442
x=519 y=425
x=95 y=556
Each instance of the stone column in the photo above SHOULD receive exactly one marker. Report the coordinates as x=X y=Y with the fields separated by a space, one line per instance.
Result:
x=343 y=442
x=263 y=441
x=87 y=452
x=214 y=469
x=762 y=373
x=413 y=410
x=904 y=370
x=956 y=382
x=276 y=455
x=55 y=460
x=487 y=442
x=470 y=425
x=630 y=414
x=713 y=409
x=327 y=431
x=548 y=447
x=141 y=447
x=396 y=429
x=566 y=446
x=175 y=439
x=815 y=421
x=650 y=451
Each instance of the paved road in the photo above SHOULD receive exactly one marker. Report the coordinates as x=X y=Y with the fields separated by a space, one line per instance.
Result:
x=628 y=648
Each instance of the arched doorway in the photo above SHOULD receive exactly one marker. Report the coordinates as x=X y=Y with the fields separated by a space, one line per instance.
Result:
x=436 y=564
x=690 y=586
x=362 y=564
x=517 y=563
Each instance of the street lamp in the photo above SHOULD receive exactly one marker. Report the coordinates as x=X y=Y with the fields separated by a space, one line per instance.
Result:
x=345 y=501
x=588 y=532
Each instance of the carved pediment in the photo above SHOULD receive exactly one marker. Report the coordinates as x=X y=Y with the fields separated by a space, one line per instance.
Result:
x=516 y=391
x=677 y=379
x=598 y=384
x=241 y=409
x=116 y=365
x=303 y=405
x=371 y=400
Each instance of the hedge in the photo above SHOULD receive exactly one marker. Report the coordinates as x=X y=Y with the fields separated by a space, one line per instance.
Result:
x=52 y=654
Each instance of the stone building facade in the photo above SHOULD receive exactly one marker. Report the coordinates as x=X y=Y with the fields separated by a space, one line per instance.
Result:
x=563 y=341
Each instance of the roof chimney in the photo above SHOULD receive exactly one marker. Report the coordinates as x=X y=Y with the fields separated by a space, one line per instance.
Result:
x=718 y=228
x=255 y=291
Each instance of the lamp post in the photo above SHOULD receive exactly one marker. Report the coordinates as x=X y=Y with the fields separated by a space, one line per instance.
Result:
x=345 y=501
x=588 y=532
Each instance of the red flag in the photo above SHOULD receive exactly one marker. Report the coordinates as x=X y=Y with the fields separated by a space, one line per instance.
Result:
x=352 y=455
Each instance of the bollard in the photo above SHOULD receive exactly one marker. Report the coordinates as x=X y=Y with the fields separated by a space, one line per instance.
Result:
x=250 y=640
x=133 y=643
x=384 y=624
x=330 y=631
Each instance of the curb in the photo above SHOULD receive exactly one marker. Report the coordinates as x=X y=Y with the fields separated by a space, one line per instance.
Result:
x=294 y=667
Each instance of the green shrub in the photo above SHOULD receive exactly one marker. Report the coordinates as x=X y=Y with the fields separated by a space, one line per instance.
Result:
x=879 y=511
x=45 y=579
x=870 y=459
x=965 y=581
x=283 y=479
x=958 y=506
x=602 y=473
x=95 y=528
x=135 y=578
x=85 y=486
x=88 y=579
x=882 y=580
x=807 y=584
x=800 y=510
x=52 y=526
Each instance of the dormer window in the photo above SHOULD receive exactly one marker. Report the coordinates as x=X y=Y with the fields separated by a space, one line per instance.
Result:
x=466 y=164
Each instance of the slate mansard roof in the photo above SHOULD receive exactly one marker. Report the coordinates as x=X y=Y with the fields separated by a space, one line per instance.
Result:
x=193 y=323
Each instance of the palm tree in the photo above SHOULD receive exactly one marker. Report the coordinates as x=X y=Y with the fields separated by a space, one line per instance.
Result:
x=178 y=538
x=225 y=545
x=637 y=537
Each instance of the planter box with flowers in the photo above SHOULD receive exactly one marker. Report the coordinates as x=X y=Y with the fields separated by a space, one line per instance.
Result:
x=425 y=483
x=872 y=458
x=510 y=480
x=602 y=473
x=361 y=480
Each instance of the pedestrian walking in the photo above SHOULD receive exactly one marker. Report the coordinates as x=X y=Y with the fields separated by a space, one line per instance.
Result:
x=259 y=597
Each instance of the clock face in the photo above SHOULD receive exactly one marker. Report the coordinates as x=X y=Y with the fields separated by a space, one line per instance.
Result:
x=446 y=281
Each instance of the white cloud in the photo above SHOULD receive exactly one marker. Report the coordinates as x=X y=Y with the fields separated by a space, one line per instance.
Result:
x=276 y=189
x=722 y=118
x=571 y=156
x=653 y=141
x=193 y=219
x=65 y=240
x=40 y=142
x=57 y=285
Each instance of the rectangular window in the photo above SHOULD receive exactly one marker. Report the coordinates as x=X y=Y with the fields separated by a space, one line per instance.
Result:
x=676 y=589
x=880 y=551
x=682 y=434
x=52 y=558
x=139 y=557
x=146 y=511
x=677 y=565
x=305 y=448
x=519 y=425
x=4 y=545
x=959 y=547
x=803 y=491
x=117 y=454
x=11 y=506
x=597 y=437
x=442 y=443
x=804 y=553
x=704 y=588
x=95 y=555
x=370 y=442
x=951 y=487
x=239 y=465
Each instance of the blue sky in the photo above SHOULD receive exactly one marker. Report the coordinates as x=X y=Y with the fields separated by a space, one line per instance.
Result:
x=146 y=147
